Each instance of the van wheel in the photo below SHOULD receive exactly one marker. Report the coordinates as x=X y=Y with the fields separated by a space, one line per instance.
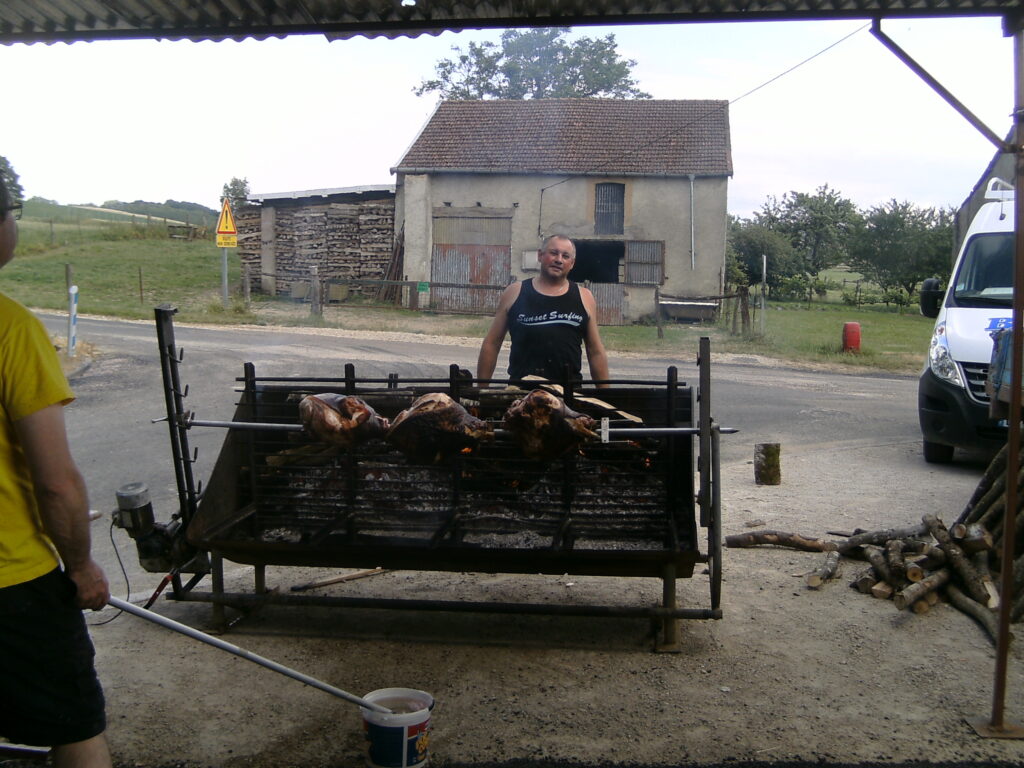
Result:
x=937 y=453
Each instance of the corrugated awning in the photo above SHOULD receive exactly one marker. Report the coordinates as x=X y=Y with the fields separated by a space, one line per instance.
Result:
x=48 y=21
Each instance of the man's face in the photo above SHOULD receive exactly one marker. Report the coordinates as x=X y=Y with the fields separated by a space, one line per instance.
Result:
x=8 y=238
x=557 y=259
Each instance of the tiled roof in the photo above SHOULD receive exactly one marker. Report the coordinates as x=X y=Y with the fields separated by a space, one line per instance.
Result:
x=575 y=136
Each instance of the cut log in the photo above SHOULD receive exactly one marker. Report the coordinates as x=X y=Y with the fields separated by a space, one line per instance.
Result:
x=827 y=570
x=980 y=562
x=879 y=538
x=882 y=590
x=894 y=559
x=957 y=560
x=921 y=606
x=975 y=610
x=876 y=557
x=865 y=580
x=778 y=539
x=995 y=473
x=972 y=538
x=913 y=592
x=767 y=467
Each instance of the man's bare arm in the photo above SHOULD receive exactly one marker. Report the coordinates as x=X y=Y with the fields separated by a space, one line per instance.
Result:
x=491 y=345
x=63 y=501
x=597 y=358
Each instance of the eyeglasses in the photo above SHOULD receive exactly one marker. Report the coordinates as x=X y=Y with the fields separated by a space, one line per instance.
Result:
x=14 y=208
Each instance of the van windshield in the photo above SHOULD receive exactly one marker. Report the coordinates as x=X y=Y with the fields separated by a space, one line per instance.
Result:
x=986 y=271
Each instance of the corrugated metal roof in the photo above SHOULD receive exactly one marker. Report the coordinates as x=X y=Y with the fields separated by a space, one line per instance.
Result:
x=365 y=189
x=651 y=137
x=27 y=21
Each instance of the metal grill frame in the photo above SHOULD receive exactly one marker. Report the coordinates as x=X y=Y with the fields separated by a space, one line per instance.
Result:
x=225 y=521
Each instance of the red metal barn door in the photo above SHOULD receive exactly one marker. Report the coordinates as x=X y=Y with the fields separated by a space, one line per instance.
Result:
x=471 y=263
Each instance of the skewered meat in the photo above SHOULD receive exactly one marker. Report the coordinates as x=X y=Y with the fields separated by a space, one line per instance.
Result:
x=545 y=427
x=341 y=420
x=435 y=427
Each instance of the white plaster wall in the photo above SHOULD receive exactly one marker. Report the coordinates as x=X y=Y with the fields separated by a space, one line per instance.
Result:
x=655 y=209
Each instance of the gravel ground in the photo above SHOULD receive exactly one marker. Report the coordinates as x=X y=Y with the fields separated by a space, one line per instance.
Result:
x=790 y=676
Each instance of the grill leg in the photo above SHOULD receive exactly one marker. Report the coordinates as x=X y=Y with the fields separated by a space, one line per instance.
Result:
x=260 y=579
x=670 y=627
x=220 y=622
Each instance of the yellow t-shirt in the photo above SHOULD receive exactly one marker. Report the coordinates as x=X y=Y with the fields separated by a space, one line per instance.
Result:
x=30 y=380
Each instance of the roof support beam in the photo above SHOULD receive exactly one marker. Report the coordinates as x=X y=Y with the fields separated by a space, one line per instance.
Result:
x=953 y=101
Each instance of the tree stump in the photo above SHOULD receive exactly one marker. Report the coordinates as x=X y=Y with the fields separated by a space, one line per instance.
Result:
x=767 y=469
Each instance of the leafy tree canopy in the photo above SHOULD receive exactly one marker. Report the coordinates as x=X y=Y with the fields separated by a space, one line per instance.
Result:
x=237 y=191
x=748 y=245
x=535 y=64
x=817 y=225
x=10 y=180
x=897 y=245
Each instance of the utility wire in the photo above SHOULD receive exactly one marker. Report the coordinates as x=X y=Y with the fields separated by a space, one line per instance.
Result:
x=711 y=112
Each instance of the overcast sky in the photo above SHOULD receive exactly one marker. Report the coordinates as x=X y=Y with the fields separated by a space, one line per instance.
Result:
x=130 y=120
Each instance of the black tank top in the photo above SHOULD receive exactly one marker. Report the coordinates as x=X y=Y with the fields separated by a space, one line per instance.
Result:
x=547 y=333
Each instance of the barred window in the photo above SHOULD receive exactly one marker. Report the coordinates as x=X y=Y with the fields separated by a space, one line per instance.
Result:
x=609 y=208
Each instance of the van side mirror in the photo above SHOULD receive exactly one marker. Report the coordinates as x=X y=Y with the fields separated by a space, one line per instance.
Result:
x=931 y=297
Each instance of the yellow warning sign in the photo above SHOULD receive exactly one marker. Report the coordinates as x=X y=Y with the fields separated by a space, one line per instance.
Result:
x=227 y=241
x=226 y=222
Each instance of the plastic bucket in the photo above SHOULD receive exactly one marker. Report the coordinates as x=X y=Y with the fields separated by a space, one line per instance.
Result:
x=402 y=739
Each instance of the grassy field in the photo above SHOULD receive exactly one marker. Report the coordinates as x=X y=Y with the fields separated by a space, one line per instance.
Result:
x=128 y=277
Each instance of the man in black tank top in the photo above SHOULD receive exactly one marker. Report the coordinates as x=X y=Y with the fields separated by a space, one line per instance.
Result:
x=550 y=318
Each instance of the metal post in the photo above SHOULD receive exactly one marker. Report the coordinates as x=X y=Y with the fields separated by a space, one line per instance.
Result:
x=997 y=727
x=224 y=276
x=72 y=320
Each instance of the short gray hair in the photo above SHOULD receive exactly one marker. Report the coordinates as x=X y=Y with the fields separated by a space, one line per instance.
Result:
x=549 y=238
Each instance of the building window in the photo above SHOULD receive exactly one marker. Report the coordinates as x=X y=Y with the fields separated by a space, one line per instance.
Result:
x=609 y=208
x=645 y=262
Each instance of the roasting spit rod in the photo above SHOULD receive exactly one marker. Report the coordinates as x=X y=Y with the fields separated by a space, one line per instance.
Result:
x=607 y=432
x=195 y=634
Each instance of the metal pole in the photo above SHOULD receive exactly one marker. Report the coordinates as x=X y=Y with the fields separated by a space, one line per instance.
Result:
x=764 y=284
x=72 y=320
x=202 y=637
x=1013 y=449
x=997 y=727
x=224 y=276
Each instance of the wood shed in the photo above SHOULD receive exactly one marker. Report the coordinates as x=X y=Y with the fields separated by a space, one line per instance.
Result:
x=346 y=233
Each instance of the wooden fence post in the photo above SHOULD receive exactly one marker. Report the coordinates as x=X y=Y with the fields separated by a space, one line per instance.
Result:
x=316 y=307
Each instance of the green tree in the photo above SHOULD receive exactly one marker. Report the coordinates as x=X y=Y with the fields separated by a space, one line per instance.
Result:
x=535 y=64
x=747 y=242
x=237 y=191
x=10 y=180
x=897 y=245
x=818 y=226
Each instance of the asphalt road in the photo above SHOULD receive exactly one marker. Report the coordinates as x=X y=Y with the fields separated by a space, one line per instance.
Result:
x=120 y=394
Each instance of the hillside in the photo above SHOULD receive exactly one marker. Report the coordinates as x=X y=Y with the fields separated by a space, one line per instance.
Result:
x=115 y=210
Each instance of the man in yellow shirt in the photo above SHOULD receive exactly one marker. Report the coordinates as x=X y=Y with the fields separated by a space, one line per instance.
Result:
x=50 y=695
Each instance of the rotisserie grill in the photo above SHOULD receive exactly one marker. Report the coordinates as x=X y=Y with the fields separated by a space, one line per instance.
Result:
x=623 y=504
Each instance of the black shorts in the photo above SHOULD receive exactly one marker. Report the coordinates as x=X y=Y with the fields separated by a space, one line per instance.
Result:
x=49 y=694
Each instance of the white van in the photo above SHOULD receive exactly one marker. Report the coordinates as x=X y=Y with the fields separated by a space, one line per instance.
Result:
x=951 y=400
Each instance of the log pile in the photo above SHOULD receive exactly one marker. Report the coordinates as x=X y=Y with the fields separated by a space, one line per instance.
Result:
x=917 y=565
x=346 y=241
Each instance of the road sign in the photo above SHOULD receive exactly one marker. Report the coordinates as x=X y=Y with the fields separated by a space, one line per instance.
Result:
x=227 y=232
x=226 y=222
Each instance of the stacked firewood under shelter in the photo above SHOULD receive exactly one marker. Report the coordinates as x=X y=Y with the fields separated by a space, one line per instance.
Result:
x=917 y=565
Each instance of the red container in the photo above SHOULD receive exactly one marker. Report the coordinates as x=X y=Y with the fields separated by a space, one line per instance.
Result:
x=851 y=337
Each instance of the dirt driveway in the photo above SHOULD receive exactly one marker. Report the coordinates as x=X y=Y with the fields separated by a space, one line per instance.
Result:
x=789 y=674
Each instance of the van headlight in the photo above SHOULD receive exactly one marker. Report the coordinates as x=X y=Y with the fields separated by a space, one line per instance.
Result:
x=940 y=361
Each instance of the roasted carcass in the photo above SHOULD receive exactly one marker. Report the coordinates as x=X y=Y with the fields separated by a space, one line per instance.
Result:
x=340 y=420
x=545 y=427
x=436 y=427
